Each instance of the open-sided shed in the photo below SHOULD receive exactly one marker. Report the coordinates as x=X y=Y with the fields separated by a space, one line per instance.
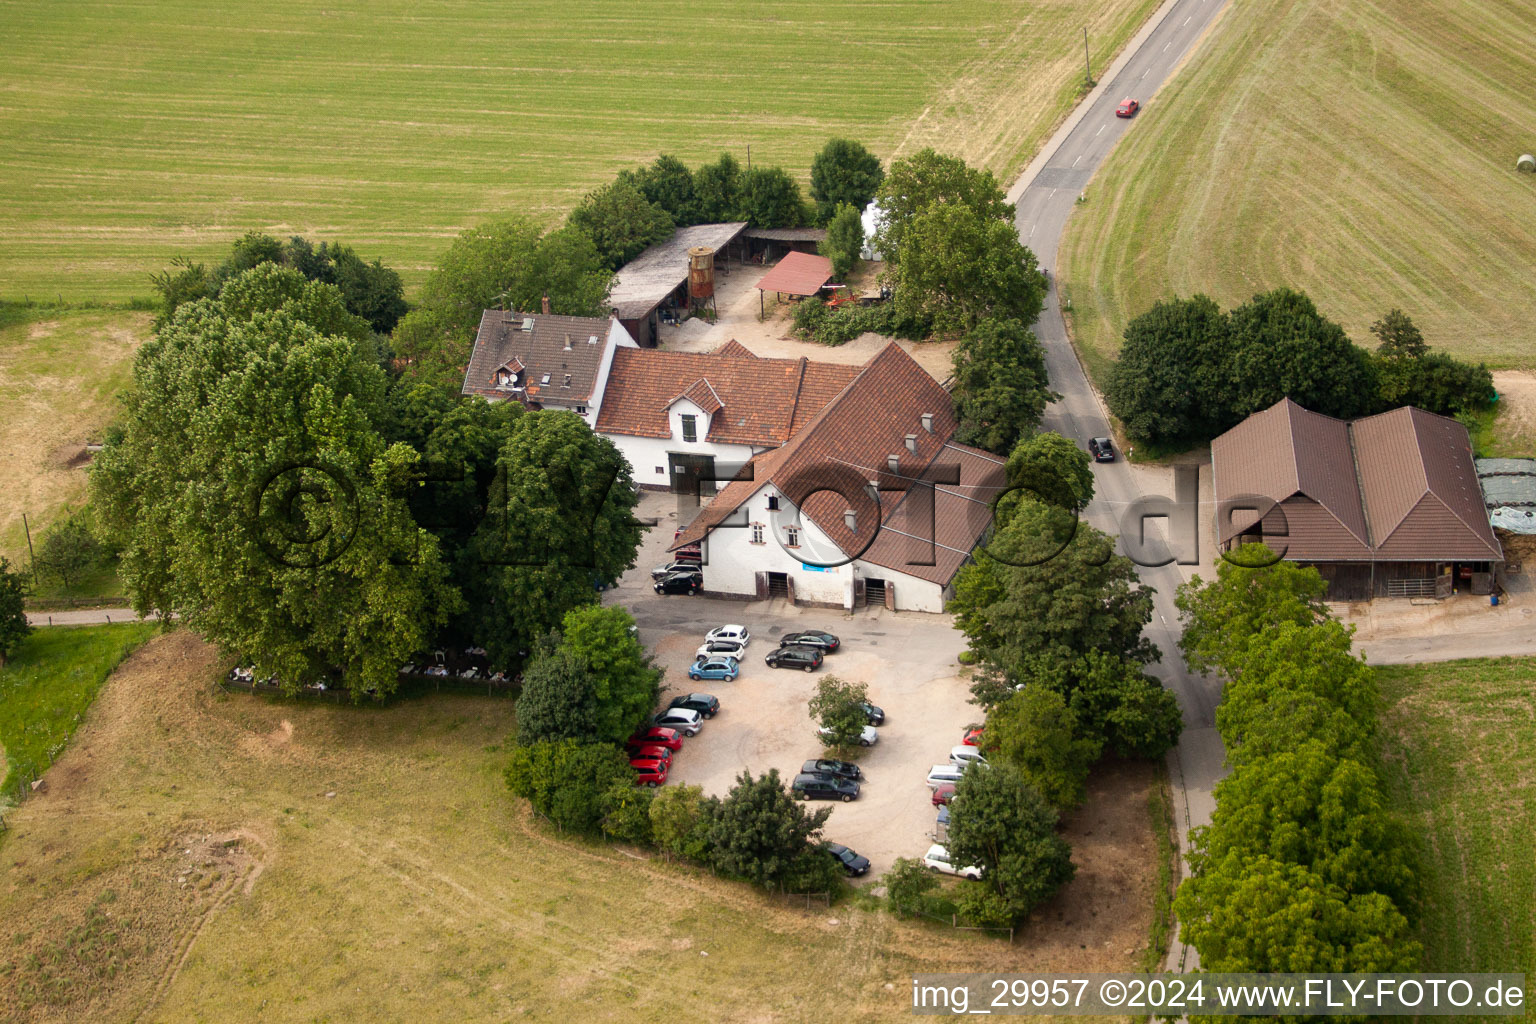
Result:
x=799 y=273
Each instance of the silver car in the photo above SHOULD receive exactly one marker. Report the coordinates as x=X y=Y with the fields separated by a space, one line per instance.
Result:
x=687 y=722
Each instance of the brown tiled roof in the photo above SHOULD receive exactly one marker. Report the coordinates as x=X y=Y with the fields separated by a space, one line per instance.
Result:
x=557 y=345
x=1399 y=486
x=734 y=348
x=702 y=394
x=798 y=273
x=759 y=399
x=824 y=469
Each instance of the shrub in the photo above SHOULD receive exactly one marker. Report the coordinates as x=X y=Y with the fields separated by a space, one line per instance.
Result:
x=680 y=819
x=907 y=886
x=568 y=782
x=627 y=812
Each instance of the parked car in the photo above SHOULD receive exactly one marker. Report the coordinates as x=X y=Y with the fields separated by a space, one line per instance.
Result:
x=657 y=735
x=805 y=658
x=705 y=704
x=649 y=773
x=973 y=736
x=730 y=632
x=1102 y=449
x=679 y=566
x=874 y=713
x=942 y=821
x=720 y=667
x=733 y=648
x=1127 y=108
x=943 y=794
x=824 y=642
x=942 y=773
x=680 y=583
x=937 y=859
x=824 y=787
x=964 y=755
x=827 y=766
x=868 y=738
x=691 y=553
x=687 y=722
x=648 y=752
x=853 y=863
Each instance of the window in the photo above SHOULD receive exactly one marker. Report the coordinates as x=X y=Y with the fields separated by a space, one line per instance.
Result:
x=773 y=502
x=757 y=533
x=791 y=536
x=581 y=410
x=567 y=381
x=690 y=428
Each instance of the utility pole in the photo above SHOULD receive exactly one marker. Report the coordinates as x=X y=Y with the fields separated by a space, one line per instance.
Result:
x=749 y=149
x=30 y=553
x=1087 y=61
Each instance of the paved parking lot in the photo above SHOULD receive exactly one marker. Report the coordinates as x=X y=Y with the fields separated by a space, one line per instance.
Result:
x=908 y=661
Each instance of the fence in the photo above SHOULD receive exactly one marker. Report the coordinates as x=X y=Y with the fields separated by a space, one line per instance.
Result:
x=410 y=686
x=952 y=920
x=58 y=604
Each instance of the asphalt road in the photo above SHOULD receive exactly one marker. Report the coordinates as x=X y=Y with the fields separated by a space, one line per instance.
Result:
x=1045 y=196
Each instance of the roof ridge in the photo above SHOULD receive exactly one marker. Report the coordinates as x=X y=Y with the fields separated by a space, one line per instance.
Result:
x=1365 y=506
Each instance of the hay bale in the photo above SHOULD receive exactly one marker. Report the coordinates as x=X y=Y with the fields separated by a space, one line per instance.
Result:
x=1526 y=163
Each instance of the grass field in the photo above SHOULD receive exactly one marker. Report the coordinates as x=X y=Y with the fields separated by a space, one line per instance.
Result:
x=1361 y=150
x=60 y=372
x=46 y=688
x=202 y=857
x=1460 y=754
x=132 y=132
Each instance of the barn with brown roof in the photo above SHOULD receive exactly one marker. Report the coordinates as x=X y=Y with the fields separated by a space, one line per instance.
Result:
x=1384 y=506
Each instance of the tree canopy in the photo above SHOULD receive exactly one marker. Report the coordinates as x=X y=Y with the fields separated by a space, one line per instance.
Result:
x=668 y=183
x=955 y=267
x=569 y=781
x=844 y=241
x=1170 y=384
x=1035 y=731
x=558 y=700
x=621 y=222
x=717 y=190
x=769 y=198
x=1001 y=388
x=759 y=832
x=926 y=179
x=844 y=172
x=13 y=617
x=999 y=823
x=625 y=683
x=838 y=706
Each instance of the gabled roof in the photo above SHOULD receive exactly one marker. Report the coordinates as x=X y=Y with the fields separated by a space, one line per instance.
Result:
x=798 y=273
x=556 y=345
x=760 y=400
x=734 y=348
x=1397 y=486
x=703 y=395
x=827 y=466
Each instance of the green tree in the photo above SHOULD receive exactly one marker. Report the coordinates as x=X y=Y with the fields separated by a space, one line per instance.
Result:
x=1171 y=383
x=770 y=198
x=1035 y=731
x=680 y=821
x=957 y=267
x=668 y=183
x=838 y=706
x=182 y=282
x=844 y=241
x=559 y=521
x=13 y=617
x=625 y=683
x=1397 y=335
x=1222 y=617
x=759 y=832
x=717 y=190
x=558 y=700
x=1282 y=347
x=568 y=782
x=627 y=812
x=999 y=823
x=907 y=886
x=928 y=179
x=370 y=290
x=1435 y=382
x=621 y=222
x=1053 y=469
x=1001 y=388
x=844 y=172
x=251 y=493
x=1265 y=915
x=68 y=551
x=1122 y=707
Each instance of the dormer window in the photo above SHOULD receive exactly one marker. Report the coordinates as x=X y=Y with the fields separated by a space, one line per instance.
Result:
x=567 y=381
x=545 y=381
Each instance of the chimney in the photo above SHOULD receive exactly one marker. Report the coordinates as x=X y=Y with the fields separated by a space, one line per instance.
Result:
x=546 y=304
x=613 y=311
x=567 y=337
x=912 y=443
x=928 y=422
x=851 y=520
x=893 y=463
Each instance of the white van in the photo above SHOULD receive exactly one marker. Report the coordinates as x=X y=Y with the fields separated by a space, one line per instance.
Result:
x=966 y=755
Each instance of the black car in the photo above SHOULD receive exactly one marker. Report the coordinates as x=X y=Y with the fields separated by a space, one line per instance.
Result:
x=876 y=715
x=1101 y=449
x=827 y=766
x=852 y=862
x=663 y=571
x=824 y=787
x=705 y=704
x=824 y=642
x=679 y=583
x=805 y=658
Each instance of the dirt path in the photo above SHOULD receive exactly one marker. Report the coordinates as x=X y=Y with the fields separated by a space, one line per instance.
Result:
x=1516 y=426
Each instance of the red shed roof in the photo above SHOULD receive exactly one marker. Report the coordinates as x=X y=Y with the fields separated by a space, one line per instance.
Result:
x=799 y=273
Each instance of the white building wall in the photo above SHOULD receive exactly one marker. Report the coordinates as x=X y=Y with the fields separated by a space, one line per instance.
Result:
x=646 y=454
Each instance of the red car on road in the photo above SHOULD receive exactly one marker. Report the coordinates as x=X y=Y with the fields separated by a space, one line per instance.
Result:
x=1127 y=108
x=649 y=773
x=657 y=735
x=943 y=794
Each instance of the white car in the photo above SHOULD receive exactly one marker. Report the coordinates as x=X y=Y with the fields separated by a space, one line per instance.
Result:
x=740 y=634
x=724 y=648
x=964 y=755
x=685 y=721
x=868 y=738
x=937 y=859
x=942 y=774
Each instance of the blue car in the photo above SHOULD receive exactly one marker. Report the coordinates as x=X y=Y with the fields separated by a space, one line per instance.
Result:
x=714 y=668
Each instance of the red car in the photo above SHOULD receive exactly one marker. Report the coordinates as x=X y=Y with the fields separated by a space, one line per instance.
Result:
x=648 y=752
x=943 y=794
x=972 y=736
x=1127 y=108
x=659 y=736
x=649 y=773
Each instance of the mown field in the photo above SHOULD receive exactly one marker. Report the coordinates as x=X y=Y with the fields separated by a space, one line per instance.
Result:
x=1361 y=150
x=130 y=132
x=1460 y=753
x=199 y=856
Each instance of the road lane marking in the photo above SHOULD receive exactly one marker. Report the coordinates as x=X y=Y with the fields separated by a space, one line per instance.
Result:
x=1032 y=230
x=1099 y=132
x=1186 y=21
x=1166 y=45
x=1079 y=157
